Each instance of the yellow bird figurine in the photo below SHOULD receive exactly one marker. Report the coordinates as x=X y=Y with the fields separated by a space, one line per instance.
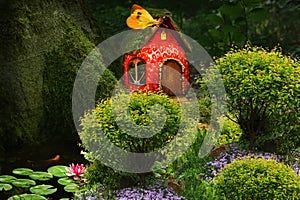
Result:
x=140 y=18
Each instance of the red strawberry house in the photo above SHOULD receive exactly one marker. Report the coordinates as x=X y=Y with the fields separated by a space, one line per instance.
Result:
x=160 y=64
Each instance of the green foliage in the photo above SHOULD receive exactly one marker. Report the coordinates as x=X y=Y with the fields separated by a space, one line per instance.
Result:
x=112 y=19
x=217 y=25
x=188 y=170
x=204 y=105
x=99 y=174
x=281 y=28
x=191 y=159
x=143 y=111
x=138 y=113
x=63 y=63
x=256 y=178
x=230 y=133
x=220 y=25
x=200 y=189
x=233 y=20
x=263 y=90
x=163 y=172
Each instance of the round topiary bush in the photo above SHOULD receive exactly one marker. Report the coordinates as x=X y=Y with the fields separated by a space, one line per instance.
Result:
x=263 y=90
x=257 y=178
x=138 y=122
x=141 y=123
x=127 y=125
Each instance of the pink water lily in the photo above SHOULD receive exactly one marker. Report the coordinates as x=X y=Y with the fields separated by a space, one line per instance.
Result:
x=76 y=170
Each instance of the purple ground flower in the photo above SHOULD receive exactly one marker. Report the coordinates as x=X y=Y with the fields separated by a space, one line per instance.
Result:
x=235 y=153
x=157 y=191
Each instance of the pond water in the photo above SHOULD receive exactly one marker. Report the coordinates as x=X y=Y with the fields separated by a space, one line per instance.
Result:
x=40 y=158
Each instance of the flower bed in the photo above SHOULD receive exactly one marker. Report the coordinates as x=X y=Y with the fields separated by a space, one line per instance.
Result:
x=236 y=153
x=156 y=191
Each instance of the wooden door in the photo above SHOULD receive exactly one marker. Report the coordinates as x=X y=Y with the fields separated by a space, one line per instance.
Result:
x=171 y=78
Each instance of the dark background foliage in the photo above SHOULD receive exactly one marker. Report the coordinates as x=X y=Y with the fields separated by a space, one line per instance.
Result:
x=217 y=25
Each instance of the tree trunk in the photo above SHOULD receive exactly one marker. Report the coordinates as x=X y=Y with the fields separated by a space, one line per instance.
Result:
x=28 y=29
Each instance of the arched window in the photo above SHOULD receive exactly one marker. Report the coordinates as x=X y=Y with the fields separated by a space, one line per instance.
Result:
x=137 y=72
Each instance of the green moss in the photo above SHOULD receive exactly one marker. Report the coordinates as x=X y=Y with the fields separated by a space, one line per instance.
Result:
x=63 y=63
x=43 y=51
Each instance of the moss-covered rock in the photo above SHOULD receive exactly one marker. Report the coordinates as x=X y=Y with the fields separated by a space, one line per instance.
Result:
x=62 y=64
x=29 y=29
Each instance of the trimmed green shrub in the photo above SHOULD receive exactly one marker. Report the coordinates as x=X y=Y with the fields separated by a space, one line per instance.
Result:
x=136 y=113
x=257 y=178
x=142 y=115
x=263 y=91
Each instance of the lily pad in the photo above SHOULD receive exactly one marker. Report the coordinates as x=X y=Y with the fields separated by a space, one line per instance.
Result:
x=7 y=178
x=5 y=186
x=25 y=183
x=41 y=176
x=65 y=181
x=58 y=170
x=23 y=171
x=27 y=197
x=71 y=188
x=43 y=189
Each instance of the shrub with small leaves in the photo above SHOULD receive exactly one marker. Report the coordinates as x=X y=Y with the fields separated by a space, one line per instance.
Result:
x=257 y=178
x=230 y=133
x=140 y=114
x=138 y=122
x=263 y=90
x=204 y=104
